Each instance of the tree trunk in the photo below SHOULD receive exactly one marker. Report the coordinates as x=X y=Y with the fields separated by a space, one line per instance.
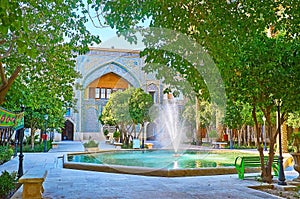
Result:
x=267 y=177
x=284 y=140
x=244 y=135
x=255 y=132
x=248 y=135
x=239 y=137
x=198 y=125
x=141 y=131
x=265 y=174
x=32 y=133
x=219 y=126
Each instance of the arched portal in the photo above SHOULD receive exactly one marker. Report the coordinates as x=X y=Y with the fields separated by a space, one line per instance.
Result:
x=104 y=71
x=153 y=91
x=113 y=68
x=151 y=131
x=68 y=131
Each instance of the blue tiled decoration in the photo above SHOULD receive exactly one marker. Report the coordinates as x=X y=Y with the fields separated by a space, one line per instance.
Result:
x=98 y=62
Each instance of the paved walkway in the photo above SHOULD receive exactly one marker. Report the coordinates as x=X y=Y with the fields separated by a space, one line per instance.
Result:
x=73 y=184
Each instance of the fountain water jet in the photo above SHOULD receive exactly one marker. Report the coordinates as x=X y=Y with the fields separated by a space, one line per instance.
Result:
x=171 y=127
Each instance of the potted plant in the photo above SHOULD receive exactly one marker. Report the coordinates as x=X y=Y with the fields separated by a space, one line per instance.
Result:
x=116 y=136
x=91 y=146
x=168 y=91
x=106 y=132
x=170 y=94
x=295 y=152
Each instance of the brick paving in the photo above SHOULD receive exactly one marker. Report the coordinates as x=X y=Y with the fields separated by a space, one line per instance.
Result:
x=73 y=184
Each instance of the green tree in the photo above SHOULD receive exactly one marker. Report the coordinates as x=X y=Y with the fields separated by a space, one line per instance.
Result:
x=106 y=116
x=189 y=113
x=117 y=112
x=139 y=107
x=39 y=41
x=294 y=119
x=267 y=71
x=32 y=31
x=125 y=109
x=206 y=114
x=255 y=45
x=49 y=91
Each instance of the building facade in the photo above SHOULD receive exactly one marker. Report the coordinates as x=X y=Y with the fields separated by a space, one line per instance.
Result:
x=104 y=71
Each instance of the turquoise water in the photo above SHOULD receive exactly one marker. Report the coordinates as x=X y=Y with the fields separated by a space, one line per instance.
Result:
x=158 y=159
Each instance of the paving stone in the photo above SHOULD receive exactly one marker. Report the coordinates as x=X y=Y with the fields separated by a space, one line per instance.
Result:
x=67 y=183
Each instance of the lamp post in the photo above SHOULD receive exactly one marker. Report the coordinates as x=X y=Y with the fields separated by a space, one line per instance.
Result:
x=20 y=133
x=16 y=144
x=281 y=177
x=45 y=133
x=231 y=139
x=264 y=133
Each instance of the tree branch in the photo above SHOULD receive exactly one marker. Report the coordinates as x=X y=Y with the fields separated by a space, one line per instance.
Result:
x=98 y=15
x=4 y=88
x=2 y=75
x=8 y=51
x=2 y=41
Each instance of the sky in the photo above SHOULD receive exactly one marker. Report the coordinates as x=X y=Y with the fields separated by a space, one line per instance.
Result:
x=110 y=39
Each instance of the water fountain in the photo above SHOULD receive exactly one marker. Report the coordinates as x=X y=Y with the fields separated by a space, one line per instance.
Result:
x=170 y=127
x=173 y=159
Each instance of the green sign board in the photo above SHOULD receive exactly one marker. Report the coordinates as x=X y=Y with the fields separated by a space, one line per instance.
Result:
x=11 y=119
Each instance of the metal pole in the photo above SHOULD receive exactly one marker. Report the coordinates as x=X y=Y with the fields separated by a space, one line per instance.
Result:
x=45 y=140
x=16 y=144
x=281 y=177
x=20 y=133
x=21 y=136
x=45 y=134
x=143 y=138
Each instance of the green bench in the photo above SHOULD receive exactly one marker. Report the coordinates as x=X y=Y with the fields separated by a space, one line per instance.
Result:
x=253 y=162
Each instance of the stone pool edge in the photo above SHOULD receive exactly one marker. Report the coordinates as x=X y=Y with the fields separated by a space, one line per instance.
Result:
x=146 y=171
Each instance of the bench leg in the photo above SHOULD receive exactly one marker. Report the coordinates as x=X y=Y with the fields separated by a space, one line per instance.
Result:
x=32 y=191
x=241 y=175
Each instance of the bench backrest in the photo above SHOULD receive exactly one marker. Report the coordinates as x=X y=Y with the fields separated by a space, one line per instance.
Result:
x=254 y=161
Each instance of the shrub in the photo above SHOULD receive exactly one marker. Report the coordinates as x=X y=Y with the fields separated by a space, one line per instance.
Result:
x=90 y=143
x=7 y=183
x=27 y=139
x=5 y=153
x=38 y=147
x=213 y=134
x=236 y=146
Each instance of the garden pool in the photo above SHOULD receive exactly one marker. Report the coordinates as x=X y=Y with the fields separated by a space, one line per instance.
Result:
x=156 y=162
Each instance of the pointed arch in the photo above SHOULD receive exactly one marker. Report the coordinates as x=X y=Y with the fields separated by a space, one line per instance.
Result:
x=110 y=80
x=151 y=131
x=111 y=67
x=68 y=131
